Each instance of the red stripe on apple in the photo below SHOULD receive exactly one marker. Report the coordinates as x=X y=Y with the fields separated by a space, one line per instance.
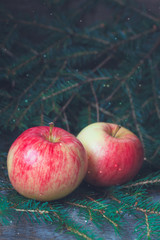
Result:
x=45 y=168
x=115 y=154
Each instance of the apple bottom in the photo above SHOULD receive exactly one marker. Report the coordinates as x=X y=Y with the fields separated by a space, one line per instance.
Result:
x=106 y=179
x=49 y=180
x=113 y=166
x=49 y=187
x=46 y=171
x=52 y=191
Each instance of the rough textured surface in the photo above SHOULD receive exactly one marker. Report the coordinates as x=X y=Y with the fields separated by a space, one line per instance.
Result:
x=21 y=228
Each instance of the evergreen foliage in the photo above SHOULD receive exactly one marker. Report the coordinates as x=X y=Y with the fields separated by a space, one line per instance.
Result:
x=56 y=67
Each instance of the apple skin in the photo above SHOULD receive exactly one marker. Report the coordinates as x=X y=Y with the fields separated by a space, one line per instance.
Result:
x=112 y=160
x=45 y=170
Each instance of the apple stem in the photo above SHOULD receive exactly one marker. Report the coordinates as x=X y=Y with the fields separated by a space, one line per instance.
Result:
x=117 y=129
x=51 y=125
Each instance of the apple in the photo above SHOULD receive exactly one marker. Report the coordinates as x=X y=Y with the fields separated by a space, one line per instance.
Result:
x=115 y=154
x=46 y=163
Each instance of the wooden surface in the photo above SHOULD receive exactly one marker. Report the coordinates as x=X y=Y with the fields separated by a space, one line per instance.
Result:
x=27 y=230
x=23 y=228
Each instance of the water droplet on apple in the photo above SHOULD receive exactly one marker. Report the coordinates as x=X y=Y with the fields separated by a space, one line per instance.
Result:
x=100 y=171
x=116 y=165
x=89 y=172
x=119 y=169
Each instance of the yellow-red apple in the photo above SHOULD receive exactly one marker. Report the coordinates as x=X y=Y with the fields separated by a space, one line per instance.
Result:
x=115 y=154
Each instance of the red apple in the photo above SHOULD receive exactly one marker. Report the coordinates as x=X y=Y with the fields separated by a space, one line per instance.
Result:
x=46 y=163
x=115 y=154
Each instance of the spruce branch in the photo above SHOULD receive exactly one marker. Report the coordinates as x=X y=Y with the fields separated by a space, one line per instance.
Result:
x=6 y=107
x=141 y=183
x=70 y=228
x=89 y=114
x=14 y=70
x=40 y=94
x=76 y=85
x=82 y=8
x=66 y=121
x=112 y=46
x=101 y=64
x=78 y=233
x=38 y=77
x=96 y=27
x=145 y=14
x=134 y=206
x=42 y=113
x=100 y=211
x=155 y=153
x=101 y=109
x=111 y=221
x=28 y=48
x=133 y=70
x=148 y=211
x=150 y=138
x=7 y=51
x=31 y=210
x=155 y=98
x=134 y=115
x=115 y=46
x=34 y=23
x=148 y=228
x=7 y=37
x=137 y=36
x=85 y=36
x=64 y=107
x=96 y=100
x=77 y=54
x=99 y=203
x=147 y=101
